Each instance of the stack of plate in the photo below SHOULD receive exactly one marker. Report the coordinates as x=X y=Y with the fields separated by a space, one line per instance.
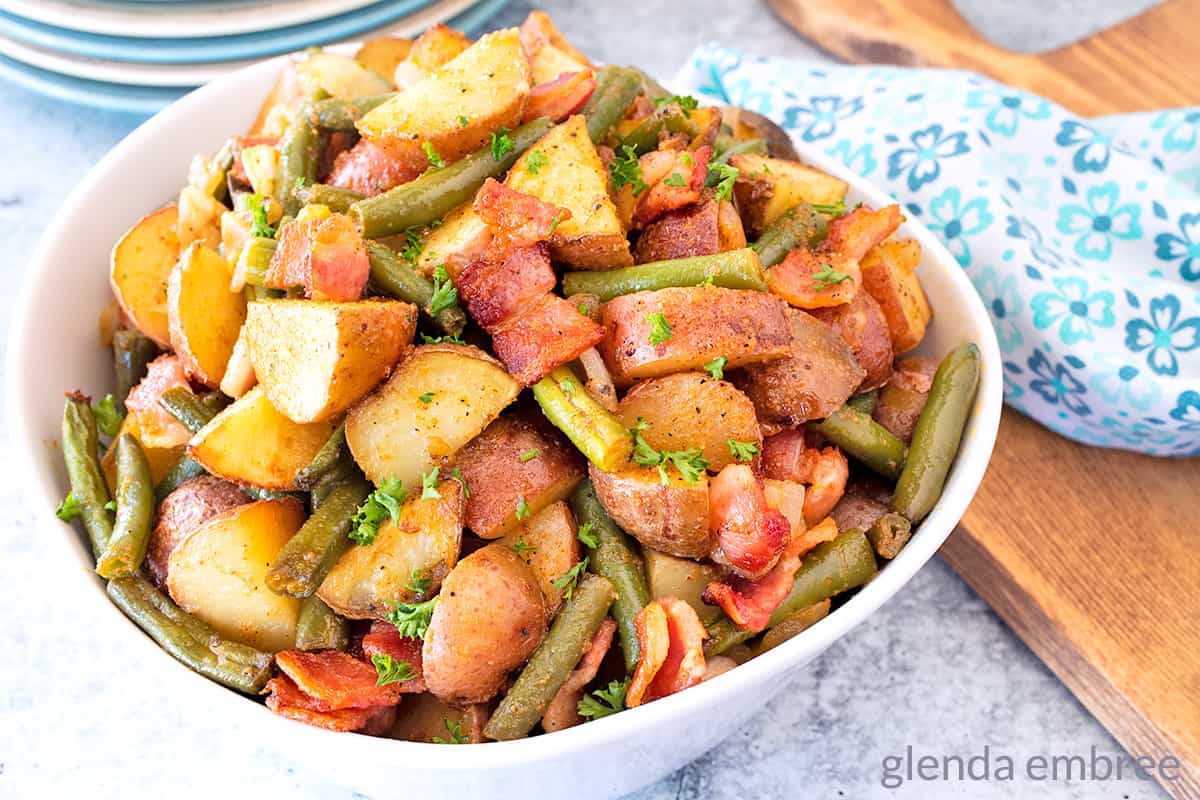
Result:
x=140 y=55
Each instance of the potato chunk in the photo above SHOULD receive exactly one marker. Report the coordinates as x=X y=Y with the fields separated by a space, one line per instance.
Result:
x=141 y=263
x=889 y=275
x=547 y=543
x=315 y=360
x=205 y=318
x=671 y=517
x=767 y=187
x=437 y=399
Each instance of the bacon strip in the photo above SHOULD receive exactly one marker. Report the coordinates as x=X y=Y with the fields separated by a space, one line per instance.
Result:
x=560 y=98
x=671 y=638
x=787 y=456
x=383 y=638
x=286 y=699
x=496 y=291
x=563 y=711
x=550 y=333
x=676 y=179
x=517 y=219
x=334 y=680
x=750 y=535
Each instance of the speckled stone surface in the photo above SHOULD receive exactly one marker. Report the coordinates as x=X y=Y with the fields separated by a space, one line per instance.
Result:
x=934 y=670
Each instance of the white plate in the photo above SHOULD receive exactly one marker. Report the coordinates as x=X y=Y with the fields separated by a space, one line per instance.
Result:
x=187 y=75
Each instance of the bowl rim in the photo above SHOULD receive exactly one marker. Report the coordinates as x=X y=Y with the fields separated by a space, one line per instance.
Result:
x=967 y=473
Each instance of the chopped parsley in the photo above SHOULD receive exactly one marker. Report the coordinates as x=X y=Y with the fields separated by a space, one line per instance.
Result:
x=418 y=584
x=108 y=418
x=625 y=169
x=429 y=485
x=689 y=463
x=260 y=228
x=528 y=455
x=716 y=367
x=721 y=177
x=448 y=339
x=411 y=250
x=463 y=121
x=567 y=385
x=427 y=397
x=502 y=144
x=675 y=179
x=380 y=504
x=412 y=619
x=828 y=276
x=603 y=702
x=830 y=209
x=520 y=547
x=742 y=451
x=522 y=508
x=684 y=101
x=391 y=670
x=568 y=580
x=583 y=309
x=444 y=294
x=554 y=222
x=587 y=535
x=68 y=509
x=535 y=161
x=435 y=160
x=660 y=329
x=111 y=505
x=455 y=731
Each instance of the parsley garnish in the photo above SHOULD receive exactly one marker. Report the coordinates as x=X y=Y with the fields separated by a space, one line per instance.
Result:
x=429 y=484
x=522 y=507
x=625 y=169
x=463 y=121
x=111 y=505
x=716 y=367
x=382 y=503
x=427 y=397
x=828 y=276
x=260 y=229
x=675 y=179
x=435 y=160
x=603 y=702
x=68 y=509
x=519 y=547
x=411 y=250
x=108 y=419
x=448 y=339
x=587 y=535
x=660 y=329
x=418 y=584
x=742 y=451
x=721 y=176
x=567 y=581
x=412 y=619
x=300 y=182
x=457 y=475
x=444 y=294
x=528 y=455
x=830 y=209
x=455 y=731
x=391 y=670
x=684 y=101
x=535 y=161
x=502 y=145
x=689 y=463
x=583 y=309
x=554 y=222
x=567 y=385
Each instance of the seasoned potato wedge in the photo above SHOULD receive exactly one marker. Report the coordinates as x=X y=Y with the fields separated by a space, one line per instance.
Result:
x=382 y=54
x=161 y=459
x=438 y=45
x=315 y=360
x=767 y=187
x=426 y=718
x=182 y=512
x=862 y=324
x=141 y=263
x=538 y=31
x=538 y=464
x=683 y=579
x=341 y=76
x=816 y=378
x=547 y=543
x=219 y=573
x=205 y=317
x=888 y=274
x=490 y=617
x=239 y=375
x=692 y=410
x=395 y=433
x=549 y=62
x=573 y=178
x=671 y=517
x=461 y=237
x=705 y=322
x=252 y=443
x=488 y=85
x=369 y=581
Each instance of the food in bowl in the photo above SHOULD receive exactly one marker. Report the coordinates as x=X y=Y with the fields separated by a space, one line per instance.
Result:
x=327 y=484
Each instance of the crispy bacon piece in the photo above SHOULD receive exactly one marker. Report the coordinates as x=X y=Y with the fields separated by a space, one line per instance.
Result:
x=156 y=426
x=326 y=256
x=496 y=291
x=561 y=97
x=563 y=711
x=549 y=333
x=788 y=457
x=383 y=638
x=750 y=535
x=369 y=169
x=237 y=170
x=750 y=603
x=671 y=638
x=286 y=699
x=675 y=178
x=334 y=680
x=689 y=231
x=812 y=278
x=517 y=219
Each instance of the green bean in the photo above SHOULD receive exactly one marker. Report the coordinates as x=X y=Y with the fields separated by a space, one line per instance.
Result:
x=306 y=559
x=889 y=534
x=435 y=194
x=670 y=118
x=799 y=226
x=737 y=146
x=184 y=470
x=864 y=439
x=937 y=434
x=591 y=427
x=186 y=407
x=194 y=644
x=132 y=352
x=650 y=87
x=327 y=459
x=550 y=665
x=616 y=89
x=319 y=627
x=734 y=269
x=341 y=113
x=828 y=570
x=615 y=557
x=135 y=507
x=254 y=260
x=864 y=403
x=299 y=153
x=335 y=198
x=395 y=277
x=81 y=448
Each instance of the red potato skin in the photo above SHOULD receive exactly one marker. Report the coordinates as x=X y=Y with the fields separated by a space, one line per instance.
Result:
x=496 y=291
x=903 y=398
x=326 y=256
x=546 y=335
x=183 y=511
x=159 y=428
x=862 y=324
x=369 y=169
x=689 y=231
x=672 y=518
x=237 y=170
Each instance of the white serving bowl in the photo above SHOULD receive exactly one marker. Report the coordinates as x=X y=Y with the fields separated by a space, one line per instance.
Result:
x=54 y=346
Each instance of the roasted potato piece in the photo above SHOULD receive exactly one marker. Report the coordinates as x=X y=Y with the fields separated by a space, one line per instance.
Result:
x=205 y=317
x=488 y=85
x=438 y=45
x=767 y=187
x=519 y=456
x=157 y=427
x=705 y=322
x=490 y=617
x=252 y=443
x=547 y=543
x=219 y=573
x=903 y=398
x=141 y=263
x=693 y=230
x=182 y=512
x=239 y=375
x=538 y=30
x=426 y=718
x=888 y=274
x=573 y=177
x=460 y=238
x=161 y=459
x=684 y=579
x=369 y=581
x=549 y=62
x=749 y=125
x=861 y=323
x=692 y=410
x=315 y=360
x=815 y=379
x=382 y=54
x=339 y=75
x=437 y=399
x=671 y=517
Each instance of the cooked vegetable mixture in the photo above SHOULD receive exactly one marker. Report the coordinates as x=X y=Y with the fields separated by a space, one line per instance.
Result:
x=325 y=482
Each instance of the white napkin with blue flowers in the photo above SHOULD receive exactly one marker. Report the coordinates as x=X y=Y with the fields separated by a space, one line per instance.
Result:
x=1082 y=236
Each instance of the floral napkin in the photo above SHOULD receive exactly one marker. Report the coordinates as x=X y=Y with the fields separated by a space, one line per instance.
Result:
x=1082 y=236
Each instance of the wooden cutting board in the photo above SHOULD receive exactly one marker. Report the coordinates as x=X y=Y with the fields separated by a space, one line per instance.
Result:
x=1092 y=556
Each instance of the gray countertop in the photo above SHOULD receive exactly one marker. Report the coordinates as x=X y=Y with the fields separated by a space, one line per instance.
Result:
x=935 y=670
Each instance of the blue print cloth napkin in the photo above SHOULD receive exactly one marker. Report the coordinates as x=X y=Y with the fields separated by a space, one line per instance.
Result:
x=1082 y=236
